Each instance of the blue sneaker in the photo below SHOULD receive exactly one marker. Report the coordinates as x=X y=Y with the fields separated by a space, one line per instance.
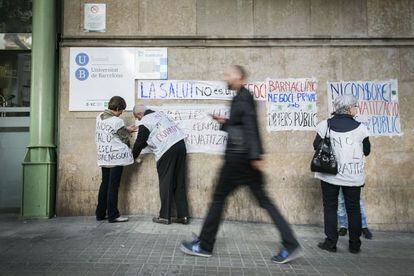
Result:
x=284 y=256
x=193 y=248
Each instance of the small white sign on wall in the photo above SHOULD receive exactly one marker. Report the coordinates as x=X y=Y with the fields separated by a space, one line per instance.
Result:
x=151 y=64
x=94 y=18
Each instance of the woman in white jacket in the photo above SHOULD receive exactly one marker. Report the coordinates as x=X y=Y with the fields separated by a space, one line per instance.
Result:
x=350 y=143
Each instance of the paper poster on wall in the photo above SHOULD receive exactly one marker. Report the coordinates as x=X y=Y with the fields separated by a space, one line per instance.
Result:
x=94 y=18
x=291 y=104
x=258 y=89
x=203 y=133
x=378 y=105
x=151 y=63
x=183 y=89
x=97 y=74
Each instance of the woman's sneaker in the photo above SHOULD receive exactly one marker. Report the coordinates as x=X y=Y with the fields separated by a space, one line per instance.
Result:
x=184 y=220
x=119 y=219
x=342 y=231
x=161 y=220
x=354 y=250
x=193 y=248
x=101 y=218
x=366 y=233
x=285 y=256
x=325 y=246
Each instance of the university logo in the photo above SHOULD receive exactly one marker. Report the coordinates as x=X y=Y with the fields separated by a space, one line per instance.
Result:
x=82 y=74
x=82 y=59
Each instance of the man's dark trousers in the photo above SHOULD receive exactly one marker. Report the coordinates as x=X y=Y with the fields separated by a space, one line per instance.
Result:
x=353 y=210
x=108 y=193
x=237 y=171
x=172 y=177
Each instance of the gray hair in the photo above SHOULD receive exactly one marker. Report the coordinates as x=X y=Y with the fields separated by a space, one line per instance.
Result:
x=343 y=103
x=139 y=108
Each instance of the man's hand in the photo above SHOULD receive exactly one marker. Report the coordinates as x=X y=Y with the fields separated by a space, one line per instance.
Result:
x=132 y=128
x=257 y=165
x=219 y=119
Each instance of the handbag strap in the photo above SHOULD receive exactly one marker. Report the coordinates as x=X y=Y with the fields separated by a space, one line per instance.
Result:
x=328 y=121
x=326 y=132
x=328 y=128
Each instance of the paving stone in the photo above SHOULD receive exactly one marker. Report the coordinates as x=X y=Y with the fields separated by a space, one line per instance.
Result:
x=80 y=246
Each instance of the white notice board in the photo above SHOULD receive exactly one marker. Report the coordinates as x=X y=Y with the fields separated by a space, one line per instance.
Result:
x=99 y=73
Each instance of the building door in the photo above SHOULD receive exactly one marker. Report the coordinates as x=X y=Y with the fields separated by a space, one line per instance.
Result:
x=15 y=59
x=14 y=125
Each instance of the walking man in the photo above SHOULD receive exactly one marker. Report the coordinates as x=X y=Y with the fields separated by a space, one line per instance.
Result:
x=166 y=140
x=243 y=166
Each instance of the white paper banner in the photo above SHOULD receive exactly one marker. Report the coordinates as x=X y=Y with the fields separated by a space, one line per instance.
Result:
x=291 y=104
x=183 y=89
x=203 y=133
x=378 y=106
x=258 y=89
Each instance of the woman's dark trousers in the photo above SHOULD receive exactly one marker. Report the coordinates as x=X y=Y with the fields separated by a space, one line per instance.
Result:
x=172 y=179
x=108 y=193
x=330 y=206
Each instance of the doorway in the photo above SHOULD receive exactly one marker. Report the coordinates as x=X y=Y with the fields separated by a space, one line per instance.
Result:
x=14 y=125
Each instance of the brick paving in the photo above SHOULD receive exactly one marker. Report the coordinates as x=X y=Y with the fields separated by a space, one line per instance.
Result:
x=83 y=246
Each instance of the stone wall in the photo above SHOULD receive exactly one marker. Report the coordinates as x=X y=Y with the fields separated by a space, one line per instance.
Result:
x=330 y=40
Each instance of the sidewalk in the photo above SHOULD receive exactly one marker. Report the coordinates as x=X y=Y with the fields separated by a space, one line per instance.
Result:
x=83 y=246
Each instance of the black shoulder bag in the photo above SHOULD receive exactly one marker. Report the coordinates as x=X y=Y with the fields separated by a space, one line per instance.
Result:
x=324 y=160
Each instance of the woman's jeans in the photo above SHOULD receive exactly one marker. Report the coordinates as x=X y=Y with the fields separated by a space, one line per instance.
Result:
x=342 y=217
x=330 y=205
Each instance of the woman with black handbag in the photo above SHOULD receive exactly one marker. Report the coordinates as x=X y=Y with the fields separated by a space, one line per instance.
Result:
x=341 y=145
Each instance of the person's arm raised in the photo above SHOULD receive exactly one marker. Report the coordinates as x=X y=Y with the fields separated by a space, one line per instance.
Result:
x=141 y=141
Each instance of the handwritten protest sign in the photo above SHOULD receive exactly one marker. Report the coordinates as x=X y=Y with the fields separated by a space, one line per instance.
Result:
x=194 y=89
x=183 y=89
x=378 y=106
x=203 y=133
x=110 y=150
x=291 y=104
x=258 y=90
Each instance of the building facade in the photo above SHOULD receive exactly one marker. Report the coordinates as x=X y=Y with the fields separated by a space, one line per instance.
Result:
x=330 y=40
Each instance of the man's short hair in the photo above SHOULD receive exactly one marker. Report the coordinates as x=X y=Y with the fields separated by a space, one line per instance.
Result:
x=241 y=70
x=117 y=103
x=139 y=108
